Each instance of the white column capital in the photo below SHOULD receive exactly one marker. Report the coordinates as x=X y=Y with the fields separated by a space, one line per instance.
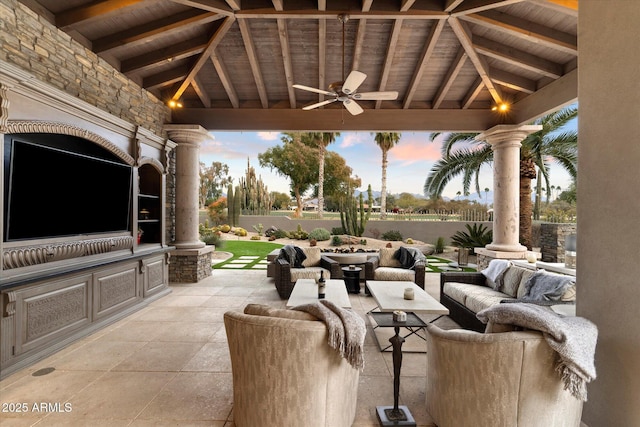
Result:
x=507 y=135
x=187 y=134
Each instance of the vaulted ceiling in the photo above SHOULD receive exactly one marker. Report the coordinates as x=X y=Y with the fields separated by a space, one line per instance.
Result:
x=232 y=64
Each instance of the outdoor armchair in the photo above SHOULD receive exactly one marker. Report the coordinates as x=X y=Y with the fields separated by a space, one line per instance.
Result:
x=495 y=379
x=384 y=266
x=286 y=275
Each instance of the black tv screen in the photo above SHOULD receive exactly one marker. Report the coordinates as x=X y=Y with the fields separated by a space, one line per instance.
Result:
x=60 y=185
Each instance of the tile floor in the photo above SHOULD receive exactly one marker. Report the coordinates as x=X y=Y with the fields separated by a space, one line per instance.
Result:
x=168 y=365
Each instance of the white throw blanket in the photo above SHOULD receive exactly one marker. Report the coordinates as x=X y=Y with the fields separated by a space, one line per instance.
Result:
x=495 y=268
x=573 y=338
x=347 y=329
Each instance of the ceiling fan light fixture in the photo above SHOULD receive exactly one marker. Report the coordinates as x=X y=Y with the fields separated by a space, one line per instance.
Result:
x=174 y=104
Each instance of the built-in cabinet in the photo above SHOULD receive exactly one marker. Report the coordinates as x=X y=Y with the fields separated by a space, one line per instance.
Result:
x=149 y=205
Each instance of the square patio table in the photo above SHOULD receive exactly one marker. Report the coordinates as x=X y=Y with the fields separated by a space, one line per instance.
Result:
x=305 y=291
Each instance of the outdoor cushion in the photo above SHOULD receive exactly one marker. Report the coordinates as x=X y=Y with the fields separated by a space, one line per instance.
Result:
x=394 y=274
x=526 y=275
x=313 y=256
x=510 y=279
x=299 y=259
x=458 y=291
x=387 y=258
x=308 y=273
x=478 y=301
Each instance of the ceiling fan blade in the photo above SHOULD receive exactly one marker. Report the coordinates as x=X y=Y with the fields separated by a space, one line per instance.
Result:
x=352 y=107
x=377 y=96
x=354 y=80
x=319 y=104
x=313 y=89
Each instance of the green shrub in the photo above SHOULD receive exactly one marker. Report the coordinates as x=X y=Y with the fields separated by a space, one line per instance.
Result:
x=281 y=234
x=440 y=245
x=211 y=237
x=477 y=235
x=336 y=241
x=337 y=231
x=255 y=238
x=299 y=234
x=393 y=235
x=320 y=234
x=239 y=231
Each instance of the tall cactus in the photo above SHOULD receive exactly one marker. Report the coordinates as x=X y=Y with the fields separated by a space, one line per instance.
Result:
x=230 y=205
x=255 y=196
x=237 y=206
x=354 y=219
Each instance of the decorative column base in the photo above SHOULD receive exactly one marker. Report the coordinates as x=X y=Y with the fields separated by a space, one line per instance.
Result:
x=484 y=256
x=190 y=265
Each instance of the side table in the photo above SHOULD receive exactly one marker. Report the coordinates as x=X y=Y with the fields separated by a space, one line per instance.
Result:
x=396 y=415
x=351 y=278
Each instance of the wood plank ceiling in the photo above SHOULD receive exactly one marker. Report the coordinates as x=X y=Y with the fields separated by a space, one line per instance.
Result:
x=231 y=64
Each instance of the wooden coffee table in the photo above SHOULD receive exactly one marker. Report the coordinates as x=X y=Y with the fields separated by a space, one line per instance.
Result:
x=305 y=291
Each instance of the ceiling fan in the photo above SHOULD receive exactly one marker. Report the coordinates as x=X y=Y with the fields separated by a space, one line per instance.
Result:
x=346 y=90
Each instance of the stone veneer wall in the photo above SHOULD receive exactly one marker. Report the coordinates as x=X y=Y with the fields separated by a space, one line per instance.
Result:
x=190 y=266
x=32 y=43
x=552 y=237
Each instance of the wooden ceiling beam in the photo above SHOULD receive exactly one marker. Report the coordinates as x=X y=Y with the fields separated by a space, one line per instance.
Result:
x=464 y=36
x=198 y=88
x=90 y=11
x=217 y=36
x=513 y=81
x=165 y=78
x=556 y=95
x=388 y=61
x=366 y=5
x=160 y=27
x=253 y=61
x=322 y=57
x=450 y=77
x=333 y=14
x=406 y=5
x=167 y=54
x=475 y=6
x=286 y=59
x=225 y=78
x=472 y=94
x=336 y=120
x=429 y=47
x=451 y=5
x=517 y=57
x=526 y=30
x=234 y=4
x=217 y=6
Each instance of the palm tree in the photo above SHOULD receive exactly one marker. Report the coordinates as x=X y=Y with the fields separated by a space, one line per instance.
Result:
x=537 y=150
x=321 y=140
x=386 y=141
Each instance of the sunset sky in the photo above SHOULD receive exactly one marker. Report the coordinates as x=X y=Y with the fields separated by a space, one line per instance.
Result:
x=409 y=162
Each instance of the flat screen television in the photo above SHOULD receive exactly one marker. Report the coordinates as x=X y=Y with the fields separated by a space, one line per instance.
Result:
x=61 y=185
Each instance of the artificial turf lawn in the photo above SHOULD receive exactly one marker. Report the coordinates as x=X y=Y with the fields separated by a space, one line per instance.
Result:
x=246 y=248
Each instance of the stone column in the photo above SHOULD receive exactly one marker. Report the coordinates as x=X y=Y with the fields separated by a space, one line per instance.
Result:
x=191 y=261
x=505 y=141
x=188 y=138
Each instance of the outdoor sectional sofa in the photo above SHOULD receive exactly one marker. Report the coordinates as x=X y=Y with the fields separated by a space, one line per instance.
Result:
x=466 y=293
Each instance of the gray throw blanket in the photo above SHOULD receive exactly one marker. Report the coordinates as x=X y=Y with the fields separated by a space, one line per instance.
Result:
x=347 y=329
x=573 y=338
x=409 y=257
x=543 y=286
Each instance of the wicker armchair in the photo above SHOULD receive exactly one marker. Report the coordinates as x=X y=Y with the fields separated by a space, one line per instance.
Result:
x=286 y=275
x=385 y=267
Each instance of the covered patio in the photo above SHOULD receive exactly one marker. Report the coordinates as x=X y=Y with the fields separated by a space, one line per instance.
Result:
x=39 y=91
x=177 y=348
